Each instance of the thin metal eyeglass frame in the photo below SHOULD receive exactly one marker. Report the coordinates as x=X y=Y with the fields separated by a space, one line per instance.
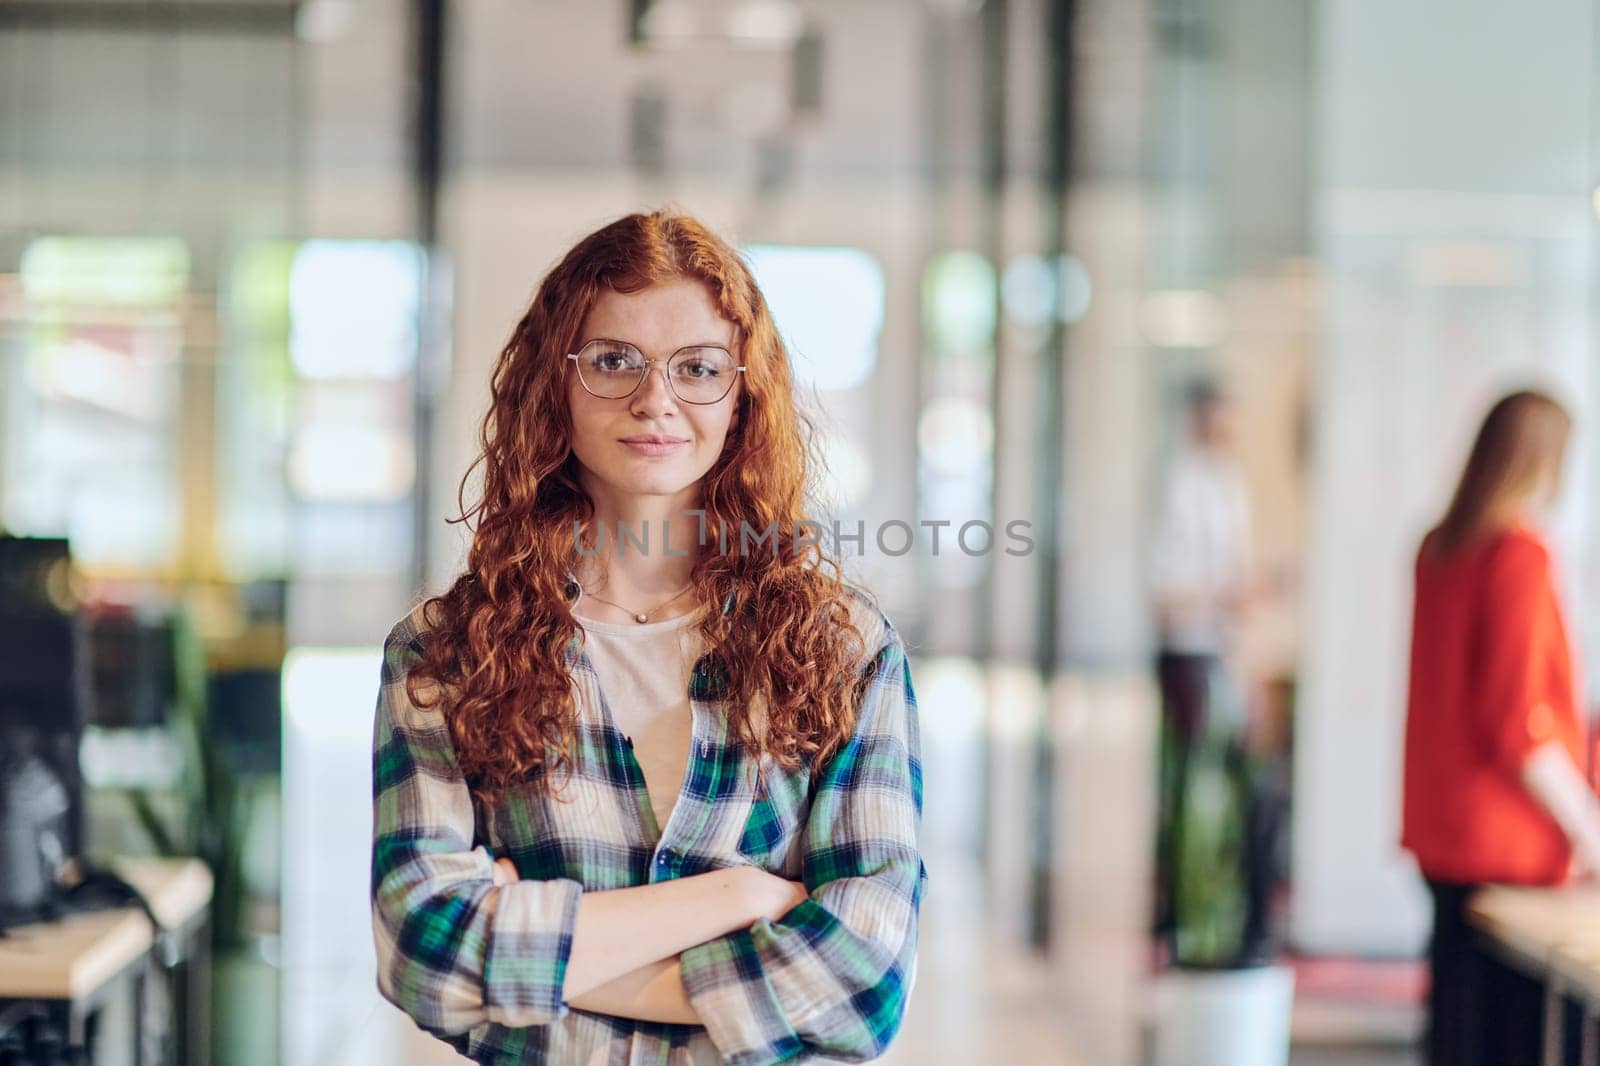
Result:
x=648 y=364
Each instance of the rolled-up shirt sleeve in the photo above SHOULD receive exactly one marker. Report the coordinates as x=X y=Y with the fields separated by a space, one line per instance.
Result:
x=454 y=951
x=832 y=977
x=1517 y=637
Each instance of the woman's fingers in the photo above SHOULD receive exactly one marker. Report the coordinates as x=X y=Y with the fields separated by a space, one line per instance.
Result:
x=505 y=872
x=798 y=894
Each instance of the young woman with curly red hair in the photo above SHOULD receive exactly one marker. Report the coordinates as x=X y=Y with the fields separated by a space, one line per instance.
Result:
x=647 y=781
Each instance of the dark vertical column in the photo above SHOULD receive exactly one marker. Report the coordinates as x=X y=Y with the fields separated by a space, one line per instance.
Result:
x=427 y=169
x=1057 y=175
x=428 y=117
x=1051 y=421
x=637 y=10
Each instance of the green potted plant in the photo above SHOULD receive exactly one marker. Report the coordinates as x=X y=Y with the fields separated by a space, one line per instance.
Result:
x=1227 y=997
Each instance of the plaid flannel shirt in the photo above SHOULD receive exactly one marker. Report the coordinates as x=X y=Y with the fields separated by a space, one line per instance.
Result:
x=482 y=967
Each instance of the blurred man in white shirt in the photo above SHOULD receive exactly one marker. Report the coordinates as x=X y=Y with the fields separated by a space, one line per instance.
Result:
x=1200 y=586
x=1201 y=565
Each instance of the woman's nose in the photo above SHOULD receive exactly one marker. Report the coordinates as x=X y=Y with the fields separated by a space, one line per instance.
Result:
x=654 y=392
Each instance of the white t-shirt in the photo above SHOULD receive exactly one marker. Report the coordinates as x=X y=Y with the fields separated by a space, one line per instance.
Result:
x=644 y=676
x=644 y=673
x=1202 y=546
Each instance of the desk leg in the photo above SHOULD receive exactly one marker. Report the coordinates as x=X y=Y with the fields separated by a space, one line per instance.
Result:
x=1590 y=1054
x=84 y=1024
x=197 y=998
x=77 y=1027
x=1553 y=1022
x=141 y=1012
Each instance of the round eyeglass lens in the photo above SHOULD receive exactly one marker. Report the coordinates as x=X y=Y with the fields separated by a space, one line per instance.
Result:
x=701 y=375
x=610 y=369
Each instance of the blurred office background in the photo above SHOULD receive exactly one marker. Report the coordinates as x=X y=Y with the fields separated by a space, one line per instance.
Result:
x=256 y=258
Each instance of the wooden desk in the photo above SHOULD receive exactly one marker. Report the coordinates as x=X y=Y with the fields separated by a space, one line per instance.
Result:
x=62 y=972
x=1554 y=935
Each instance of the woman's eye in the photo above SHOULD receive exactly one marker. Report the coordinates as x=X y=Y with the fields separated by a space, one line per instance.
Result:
x=699 y=371
x=610 y=361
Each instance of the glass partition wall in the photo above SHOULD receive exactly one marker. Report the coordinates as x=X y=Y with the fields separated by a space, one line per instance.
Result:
x=217 y=411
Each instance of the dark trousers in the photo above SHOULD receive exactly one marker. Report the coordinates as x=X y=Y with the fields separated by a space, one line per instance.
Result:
x=1481 y=1010
x=1183 y=678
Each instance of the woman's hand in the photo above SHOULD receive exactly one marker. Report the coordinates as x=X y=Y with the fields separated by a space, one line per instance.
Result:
x=1553 y=779
x=771 y=896
x=797 y=894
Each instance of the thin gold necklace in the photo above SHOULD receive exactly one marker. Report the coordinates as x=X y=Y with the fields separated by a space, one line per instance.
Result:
x=638 y=616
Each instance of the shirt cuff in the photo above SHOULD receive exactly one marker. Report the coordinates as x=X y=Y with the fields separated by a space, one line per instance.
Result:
x=738 y=1006
x=530 y=941
x=1526 y=733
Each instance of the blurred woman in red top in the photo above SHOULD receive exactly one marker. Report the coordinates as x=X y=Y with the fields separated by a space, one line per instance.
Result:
x=1494 y=738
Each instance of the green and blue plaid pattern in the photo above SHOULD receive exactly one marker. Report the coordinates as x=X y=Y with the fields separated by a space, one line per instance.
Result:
x=482 y=967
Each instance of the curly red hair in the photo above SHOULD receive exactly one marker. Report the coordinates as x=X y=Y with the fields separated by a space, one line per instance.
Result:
x=495 y=641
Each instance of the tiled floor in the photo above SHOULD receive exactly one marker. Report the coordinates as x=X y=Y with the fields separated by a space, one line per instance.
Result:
x=980 y=998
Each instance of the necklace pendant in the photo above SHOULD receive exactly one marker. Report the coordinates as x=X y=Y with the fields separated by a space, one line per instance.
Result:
x=639 y=617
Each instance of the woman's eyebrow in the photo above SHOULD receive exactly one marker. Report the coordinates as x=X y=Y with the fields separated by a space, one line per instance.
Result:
x=724 y=345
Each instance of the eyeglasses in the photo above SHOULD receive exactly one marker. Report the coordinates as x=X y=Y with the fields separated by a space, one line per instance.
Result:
x=613 y=370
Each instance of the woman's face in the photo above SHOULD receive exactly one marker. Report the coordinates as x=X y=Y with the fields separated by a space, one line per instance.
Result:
x=610 y=437
x=1548 y=492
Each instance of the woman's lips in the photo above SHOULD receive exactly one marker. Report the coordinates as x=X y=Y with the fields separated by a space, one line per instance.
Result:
x=646 y=446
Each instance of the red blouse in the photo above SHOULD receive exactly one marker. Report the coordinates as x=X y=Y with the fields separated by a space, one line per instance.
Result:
x=1491 y=679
